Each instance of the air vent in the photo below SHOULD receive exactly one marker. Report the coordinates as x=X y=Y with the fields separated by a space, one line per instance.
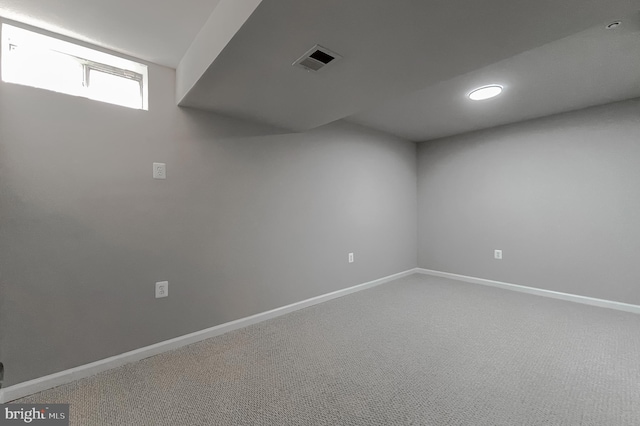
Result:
x=316 y=58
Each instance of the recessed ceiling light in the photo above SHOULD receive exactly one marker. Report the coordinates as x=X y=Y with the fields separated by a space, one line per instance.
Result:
x=614 y=25
x=485 y=92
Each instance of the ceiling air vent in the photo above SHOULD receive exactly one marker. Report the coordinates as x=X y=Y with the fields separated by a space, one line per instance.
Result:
x=316 y=58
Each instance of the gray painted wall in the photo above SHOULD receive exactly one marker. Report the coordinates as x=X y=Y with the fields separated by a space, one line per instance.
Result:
x=248 y=220
x=560 y=196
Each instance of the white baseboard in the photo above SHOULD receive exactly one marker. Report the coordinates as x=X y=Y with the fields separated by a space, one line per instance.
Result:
x=537 y=291
x=20 y=390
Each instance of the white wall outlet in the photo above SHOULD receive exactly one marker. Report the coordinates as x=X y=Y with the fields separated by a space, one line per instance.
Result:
x=350 y=257
x=159 y=171
x=497 y=254
x=162 y=289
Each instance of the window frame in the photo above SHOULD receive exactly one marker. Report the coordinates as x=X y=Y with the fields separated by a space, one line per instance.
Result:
x=90 y=59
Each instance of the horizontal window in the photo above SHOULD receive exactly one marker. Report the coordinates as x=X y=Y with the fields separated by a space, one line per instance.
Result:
x=36 y=60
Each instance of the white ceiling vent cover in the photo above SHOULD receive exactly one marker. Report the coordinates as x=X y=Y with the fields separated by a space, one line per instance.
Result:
x=316 y=58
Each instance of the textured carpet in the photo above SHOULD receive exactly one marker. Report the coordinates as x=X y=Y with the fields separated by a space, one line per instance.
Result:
x=418 y=351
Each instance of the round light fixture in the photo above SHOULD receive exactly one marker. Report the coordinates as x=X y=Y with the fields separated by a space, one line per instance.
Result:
x=485 y=92
x=614 y=25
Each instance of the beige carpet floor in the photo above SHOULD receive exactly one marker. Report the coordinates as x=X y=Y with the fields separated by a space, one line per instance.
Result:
x=418 y=351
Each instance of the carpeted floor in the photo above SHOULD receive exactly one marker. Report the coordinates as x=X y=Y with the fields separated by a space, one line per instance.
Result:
x=418 y=351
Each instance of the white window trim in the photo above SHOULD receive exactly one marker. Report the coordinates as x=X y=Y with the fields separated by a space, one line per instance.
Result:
x=89 y=58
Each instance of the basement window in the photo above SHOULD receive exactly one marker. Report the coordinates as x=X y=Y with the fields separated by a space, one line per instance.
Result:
x=36 y=60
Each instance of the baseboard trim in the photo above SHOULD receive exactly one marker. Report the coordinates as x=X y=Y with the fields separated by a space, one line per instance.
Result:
x=30 y=387
x=602 y=303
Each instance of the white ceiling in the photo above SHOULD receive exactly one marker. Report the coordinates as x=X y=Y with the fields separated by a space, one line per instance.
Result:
x=593 y=67
x=158 y=31
x=389 y=48
x=407 y=65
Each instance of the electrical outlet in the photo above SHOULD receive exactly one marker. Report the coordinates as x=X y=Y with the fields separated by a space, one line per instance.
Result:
x=162 y=289
x=497 y=254
x=351 y=258
x=159 y=171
